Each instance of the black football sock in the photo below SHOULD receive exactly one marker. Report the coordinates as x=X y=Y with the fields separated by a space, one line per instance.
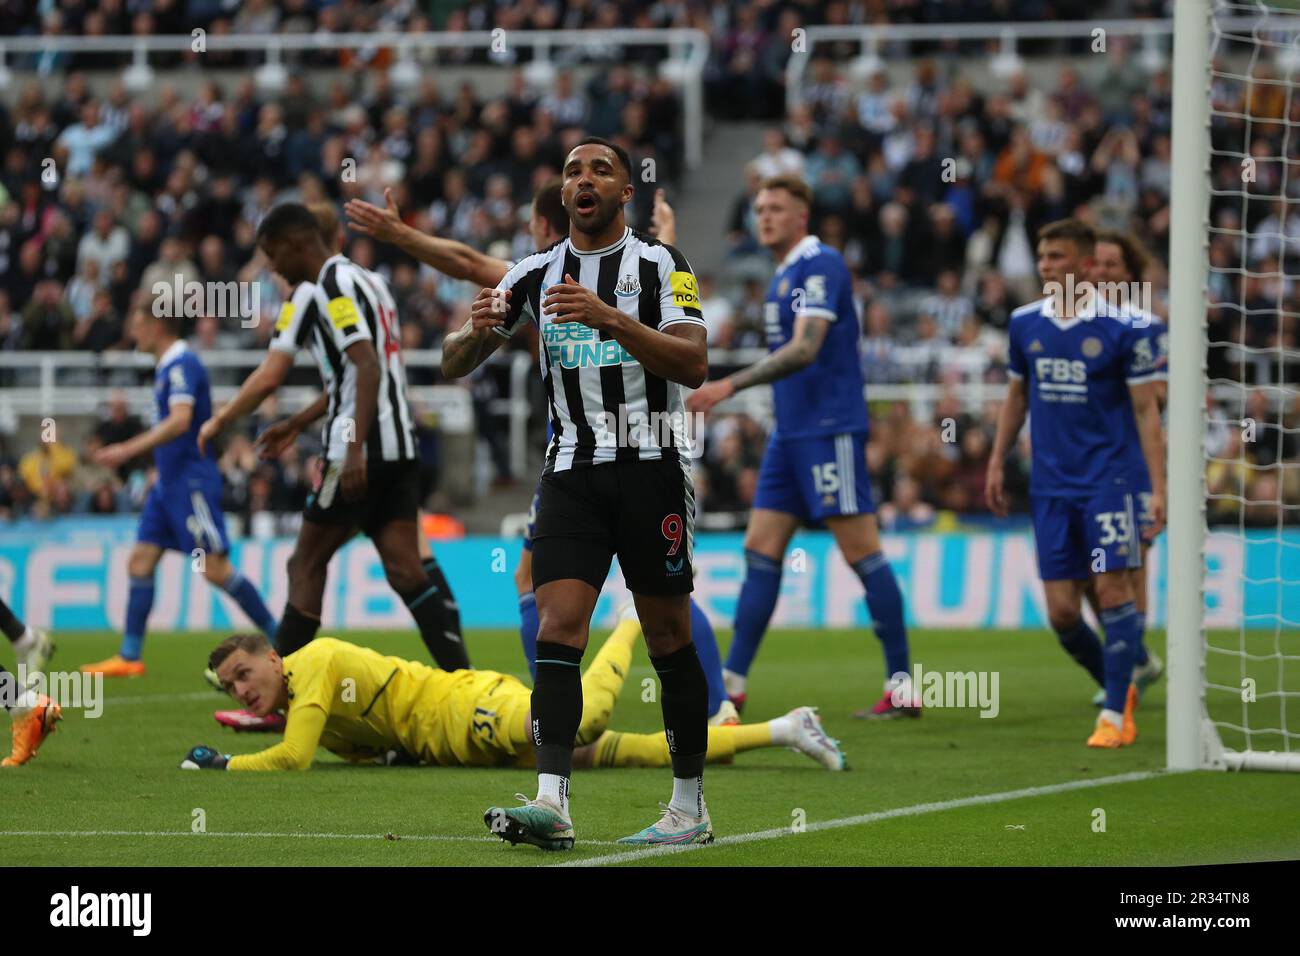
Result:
x=12 y=627
x=438 y=619
x=296 y=630
x=685 y=703
x=557 y=706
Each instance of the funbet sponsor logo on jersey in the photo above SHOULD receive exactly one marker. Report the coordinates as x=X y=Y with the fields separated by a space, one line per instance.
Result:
x=570 y=345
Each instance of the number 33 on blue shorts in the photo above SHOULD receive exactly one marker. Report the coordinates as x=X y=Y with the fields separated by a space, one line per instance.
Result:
x=1077 y=537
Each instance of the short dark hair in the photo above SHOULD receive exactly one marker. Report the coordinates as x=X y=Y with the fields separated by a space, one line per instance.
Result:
x=1073 y=230
x=1135 y=257
x=250 y=642
x=549 y=203
x=285 y=219
x=170 y=322
x=623 y=158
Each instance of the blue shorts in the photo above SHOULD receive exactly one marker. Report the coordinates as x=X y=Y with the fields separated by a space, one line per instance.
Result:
x=1076 y=537
x=816 y=478
x=183 y=518
x=532 y=519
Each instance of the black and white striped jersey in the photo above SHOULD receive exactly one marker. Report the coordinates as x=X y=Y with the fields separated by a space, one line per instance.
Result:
x=349 y=304
x=604 y=406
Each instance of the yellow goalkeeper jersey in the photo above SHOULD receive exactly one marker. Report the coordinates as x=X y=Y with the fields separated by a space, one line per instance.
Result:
x=361 y=704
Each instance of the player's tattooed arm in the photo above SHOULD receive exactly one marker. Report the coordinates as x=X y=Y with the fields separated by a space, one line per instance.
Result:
x=1011 y=418
x=451 y=258
x=467 y=349
x=805 y=342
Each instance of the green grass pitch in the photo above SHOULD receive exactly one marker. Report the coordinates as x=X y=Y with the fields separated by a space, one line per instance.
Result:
x=108 y=791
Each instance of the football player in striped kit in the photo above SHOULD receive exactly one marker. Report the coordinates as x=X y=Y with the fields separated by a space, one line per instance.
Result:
x=621 y=332
x=346 y=315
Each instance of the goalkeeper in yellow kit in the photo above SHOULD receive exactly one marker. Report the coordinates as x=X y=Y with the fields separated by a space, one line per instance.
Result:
x=364 y=706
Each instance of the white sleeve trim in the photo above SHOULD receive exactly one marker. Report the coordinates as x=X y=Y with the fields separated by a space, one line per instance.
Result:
x=817 y=312
x=285 y=345
x=1012 y=373
x=503 y=331
x=1143 y=379
x=678 y=320
x=180 y=400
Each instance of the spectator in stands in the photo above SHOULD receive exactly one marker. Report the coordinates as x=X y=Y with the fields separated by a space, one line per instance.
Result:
x=84 y=140
x=777 y=158
x=48 y=321
x=107 y=244
x=46 y=470
x=718 y=313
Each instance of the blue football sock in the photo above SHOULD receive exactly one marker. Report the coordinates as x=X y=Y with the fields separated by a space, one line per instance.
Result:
x=753 y=609
x=246 y=596
x=1121 y=626
x=139 y=602
x=528 y=630
x=1142 y=656
x=1082 y=644
x=706 y=648
x=885 y=603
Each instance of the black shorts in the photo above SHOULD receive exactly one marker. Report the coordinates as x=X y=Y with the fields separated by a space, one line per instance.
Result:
x=392 y=494
x=642 y=511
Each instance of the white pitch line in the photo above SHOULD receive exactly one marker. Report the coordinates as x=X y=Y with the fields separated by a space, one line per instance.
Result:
x=914 y=810
x=437 y=837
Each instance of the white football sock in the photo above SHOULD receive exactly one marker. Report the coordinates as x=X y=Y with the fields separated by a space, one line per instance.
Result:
x=25 y=643
x=783 y=731
x=688 y=796
x=555 y=788
x=734 y=683
x=1114 y=717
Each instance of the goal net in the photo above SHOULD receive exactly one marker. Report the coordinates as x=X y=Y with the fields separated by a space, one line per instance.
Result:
x=1234 y=407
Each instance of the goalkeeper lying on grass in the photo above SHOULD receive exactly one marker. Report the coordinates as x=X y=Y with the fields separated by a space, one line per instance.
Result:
x=366 y=707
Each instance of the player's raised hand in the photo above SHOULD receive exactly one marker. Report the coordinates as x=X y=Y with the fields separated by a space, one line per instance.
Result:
x=209 y=432
x=1156 y=509
x=275 y=439
x=570 y=302
x=663 y=221
x=204 y=758
x=353 y=479
x=995 y=491
x=112 y=456
x=489 y=309
x=709 y=394
x=382 y=224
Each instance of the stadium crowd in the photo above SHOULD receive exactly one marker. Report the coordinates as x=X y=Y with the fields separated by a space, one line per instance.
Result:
x=931 y=188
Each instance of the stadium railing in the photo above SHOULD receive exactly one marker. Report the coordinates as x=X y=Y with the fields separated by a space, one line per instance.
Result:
x=688 y=51
x=1155 y=34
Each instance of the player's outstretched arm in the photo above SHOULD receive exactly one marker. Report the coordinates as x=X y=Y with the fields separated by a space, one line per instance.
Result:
x=275 y=439
x=1011 y=418
x=1146 y=409
x=469 y=347
x=176 y=424
x=302 y=733
x=261 y=382
x=801 y=351
x=451 y=258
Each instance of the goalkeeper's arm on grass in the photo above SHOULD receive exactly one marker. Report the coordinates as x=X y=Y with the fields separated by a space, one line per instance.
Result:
x=253 y=673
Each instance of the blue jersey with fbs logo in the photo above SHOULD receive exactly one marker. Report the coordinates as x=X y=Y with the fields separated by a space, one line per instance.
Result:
x=1077 y=373
x=825 y=398
x=181 y=379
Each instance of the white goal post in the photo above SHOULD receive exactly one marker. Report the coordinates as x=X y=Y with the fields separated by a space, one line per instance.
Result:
x=1207 y=727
